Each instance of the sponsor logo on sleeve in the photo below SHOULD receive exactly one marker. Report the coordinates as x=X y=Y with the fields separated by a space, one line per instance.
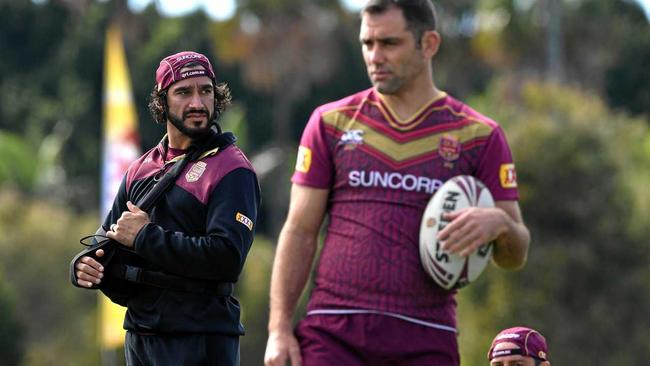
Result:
x=508 y=176
x=303 y=162
x=243 y=219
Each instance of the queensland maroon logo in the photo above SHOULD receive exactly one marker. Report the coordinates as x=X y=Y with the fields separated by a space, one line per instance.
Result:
x=195 y=172
x=449 y=148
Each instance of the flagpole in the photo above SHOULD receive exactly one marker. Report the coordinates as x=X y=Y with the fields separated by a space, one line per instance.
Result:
x=120 y=147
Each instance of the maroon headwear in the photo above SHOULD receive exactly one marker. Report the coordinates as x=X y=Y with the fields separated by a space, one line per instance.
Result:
x=170 y=67
x=529 y=341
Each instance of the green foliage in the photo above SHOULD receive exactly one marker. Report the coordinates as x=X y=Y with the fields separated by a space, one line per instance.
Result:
x=628 y=79
x=11 y=335
x=39 y=240
x=53 y=74
x=595 y=33
x=573 y=41
x=583 y=174
x=233 y=120
x=17 y=166
x=253 y=293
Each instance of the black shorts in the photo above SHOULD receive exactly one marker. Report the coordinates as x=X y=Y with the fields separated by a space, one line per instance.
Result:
x=181 y=349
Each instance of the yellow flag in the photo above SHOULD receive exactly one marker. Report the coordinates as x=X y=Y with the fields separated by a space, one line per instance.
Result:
x=120 y=148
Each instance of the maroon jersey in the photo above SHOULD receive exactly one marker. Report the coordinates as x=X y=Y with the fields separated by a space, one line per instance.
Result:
x=381 y=172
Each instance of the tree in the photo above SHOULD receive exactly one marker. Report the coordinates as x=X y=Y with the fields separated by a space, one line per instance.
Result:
x=582 y=171
x=57 y=321
x=287 y=54
x=11 y=337
x=628 y=79
x=16 y=165
x=52 y=79
x=577 y=41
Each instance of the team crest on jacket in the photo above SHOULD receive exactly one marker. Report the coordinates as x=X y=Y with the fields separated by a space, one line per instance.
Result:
x=195 y=172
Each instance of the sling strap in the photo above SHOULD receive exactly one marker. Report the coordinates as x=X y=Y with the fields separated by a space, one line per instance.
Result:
x=127 y=268
x=194 y=153
x=168 y=281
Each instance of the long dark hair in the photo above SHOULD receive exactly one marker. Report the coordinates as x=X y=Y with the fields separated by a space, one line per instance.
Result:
x=158 y=102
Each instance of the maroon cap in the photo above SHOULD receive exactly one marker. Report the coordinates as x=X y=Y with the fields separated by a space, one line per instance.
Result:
x=170 y=67
x=530 y=343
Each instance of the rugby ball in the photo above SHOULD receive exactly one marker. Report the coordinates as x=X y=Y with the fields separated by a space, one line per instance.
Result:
x=451 y=271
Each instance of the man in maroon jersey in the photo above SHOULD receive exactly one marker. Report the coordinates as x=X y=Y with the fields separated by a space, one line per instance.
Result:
x=370 y=162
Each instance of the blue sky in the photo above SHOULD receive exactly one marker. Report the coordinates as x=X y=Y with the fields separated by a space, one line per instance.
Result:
x=223 y=9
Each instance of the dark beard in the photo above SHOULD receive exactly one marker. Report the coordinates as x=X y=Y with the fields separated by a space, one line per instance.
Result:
x=192 y=133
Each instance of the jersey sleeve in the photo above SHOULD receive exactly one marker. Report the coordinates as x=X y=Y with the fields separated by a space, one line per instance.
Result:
x=219 y=254
x=496 y=168
x=314 y=165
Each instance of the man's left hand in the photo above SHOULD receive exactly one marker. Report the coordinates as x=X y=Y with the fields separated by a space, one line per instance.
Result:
x=470 y=228
x=128 y=225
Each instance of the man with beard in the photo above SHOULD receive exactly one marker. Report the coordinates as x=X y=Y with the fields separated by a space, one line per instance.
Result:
x=370 y=162
x=195 y=240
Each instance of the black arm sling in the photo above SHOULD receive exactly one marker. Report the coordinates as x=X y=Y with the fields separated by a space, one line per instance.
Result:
x=124 y=267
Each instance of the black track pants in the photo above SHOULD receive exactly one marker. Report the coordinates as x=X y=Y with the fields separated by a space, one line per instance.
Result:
x=186 y=350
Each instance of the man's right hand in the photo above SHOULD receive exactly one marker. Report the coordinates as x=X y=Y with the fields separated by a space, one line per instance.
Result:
x=282 y=347
x=90 y=271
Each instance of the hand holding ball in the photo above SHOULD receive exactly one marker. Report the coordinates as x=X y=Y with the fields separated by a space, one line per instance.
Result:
x=452 y=271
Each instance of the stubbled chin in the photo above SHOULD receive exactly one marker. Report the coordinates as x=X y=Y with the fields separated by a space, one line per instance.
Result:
x=383 y=88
